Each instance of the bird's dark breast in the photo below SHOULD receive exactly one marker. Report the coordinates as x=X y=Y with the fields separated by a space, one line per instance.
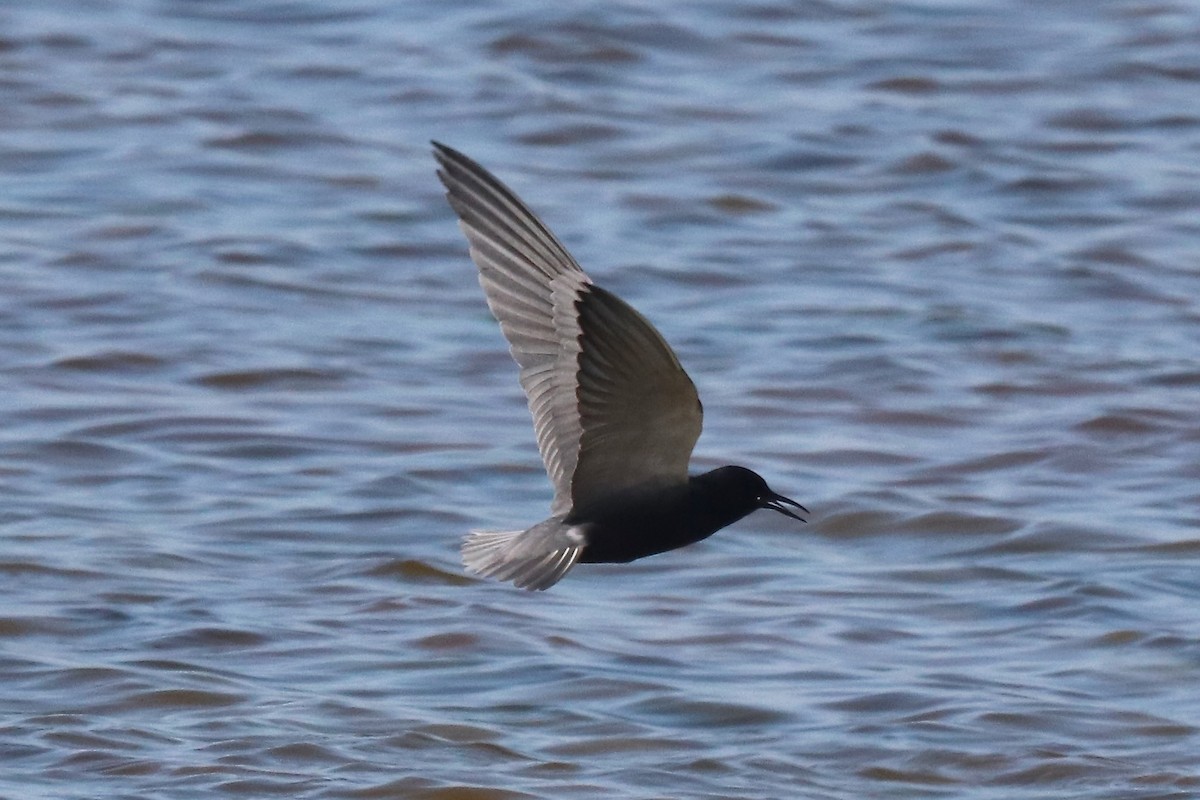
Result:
x=629 y=527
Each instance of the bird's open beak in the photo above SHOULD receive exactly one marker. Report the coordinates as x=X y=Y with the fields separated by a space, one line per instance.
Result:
x=777 y=502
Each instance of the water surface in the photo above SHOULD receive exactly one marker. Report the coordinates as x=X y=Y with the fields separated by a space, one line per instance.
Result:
x=933 y=266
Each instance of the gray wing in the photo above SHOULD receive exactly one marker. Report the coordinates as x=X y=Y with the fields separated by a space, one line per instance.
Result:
x=638 y=409
x=530 y=281
x=612 y=407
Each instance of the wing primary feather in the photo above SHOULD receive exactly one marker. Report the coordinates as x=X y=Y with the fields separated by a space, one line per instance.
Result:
x=461 y=172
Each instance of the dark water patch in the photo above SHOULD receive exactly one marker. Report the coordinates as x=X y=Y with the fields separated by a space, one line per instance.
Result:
x=886 y=418
x=740 y=204
x=1115 y=254
x=260 y=787
x=997 y=462
x=74 y=456
x=413 y=570
x=925 y=163
x=888 y=702
x=302 y=753
x=260 y=447
x=1116 y=285
x=448 y=641
x=1051 y=387
x=1130 y=423
x=905 y=777
x=16 y=568
x=425 y=789
x=1180 y=378
x=176 y=699
x=273 y=379
x=915 y=85
x=112 y=362
x=571 y=134
x=16 y=627
x=130 y=230
x=1118 y=639
x=811 y=161
x=858 y=523
x=1183 y=547
x=212 y=638
x=1057 y=185
x=875 y=635
x=323 y=72
x=407 y=250
x=951 y=523
x=1089 y=119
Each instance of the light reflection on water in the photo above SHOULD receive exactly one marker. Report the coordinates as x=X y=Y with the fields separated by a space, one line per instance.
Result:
x=932 y=269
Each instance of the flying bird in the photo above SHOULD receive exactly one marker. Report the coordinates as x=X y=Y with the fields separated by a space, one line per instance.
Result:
x=615 y=414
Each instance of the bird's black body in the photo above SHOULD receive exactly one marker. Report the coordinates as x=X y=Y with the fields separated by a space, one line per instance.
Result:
x=634 y=525
x=615 y=414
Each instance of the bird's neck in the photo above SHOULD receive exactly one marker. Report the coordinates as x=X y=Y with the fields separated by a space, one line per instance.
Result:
x=710 y=508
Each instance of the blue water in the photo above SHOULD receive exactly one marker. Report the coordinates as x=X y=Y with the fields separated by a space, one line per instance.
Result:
x=934 y=268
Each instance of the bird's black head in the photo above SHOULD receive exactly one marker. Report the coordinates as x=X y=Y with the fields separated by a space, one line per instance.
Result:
x=745 y=490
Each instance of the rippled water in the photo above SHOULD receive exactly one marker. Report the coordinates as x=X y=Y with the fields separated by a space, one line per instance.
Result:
x=934 y=266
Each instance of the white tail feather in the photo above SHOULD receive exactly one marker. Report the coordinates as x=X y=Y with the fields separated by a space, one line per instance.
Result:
x=530 y=562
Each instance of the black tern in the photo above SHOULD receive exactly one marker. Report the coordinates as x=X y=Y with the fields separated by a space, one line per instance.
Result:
x=615 y=414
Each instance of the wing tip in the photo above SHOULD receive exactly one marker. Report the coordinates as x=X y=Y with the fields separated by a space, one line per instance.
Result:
x=448 y=158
